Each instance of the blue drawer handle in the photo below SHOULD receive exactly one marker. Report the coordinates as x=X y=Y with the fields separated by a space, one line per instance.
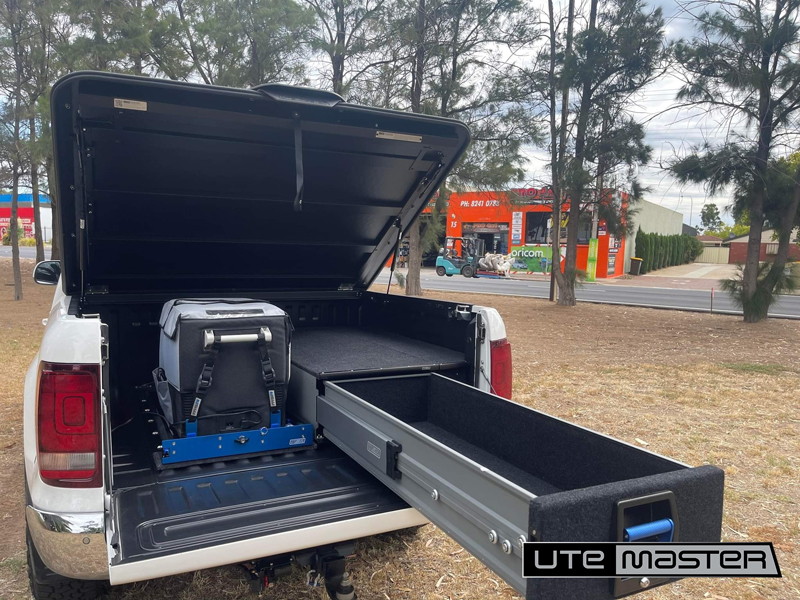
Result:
x=663 y=528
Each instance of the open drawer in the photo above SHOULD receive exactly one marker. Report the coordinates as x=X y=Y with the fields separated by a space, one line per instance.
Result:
x=492 y=474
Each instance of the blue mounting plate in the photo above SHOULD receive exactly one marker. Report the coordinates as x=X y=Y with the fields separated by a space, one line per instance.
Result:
x=222 y=445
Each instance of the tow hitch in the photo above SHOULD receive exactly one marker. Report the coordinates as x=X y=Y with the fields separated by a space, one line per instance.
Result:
x=326 y=568
x=264 y=571
x=329 y=570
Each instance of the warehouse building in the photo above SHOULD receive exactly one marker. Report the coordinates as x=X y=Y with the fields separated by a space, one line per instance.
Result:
x=652 y=218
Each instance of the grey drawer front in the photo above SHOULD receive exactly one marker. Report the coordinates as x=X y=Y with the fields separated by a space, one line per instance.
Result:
x=464 y=499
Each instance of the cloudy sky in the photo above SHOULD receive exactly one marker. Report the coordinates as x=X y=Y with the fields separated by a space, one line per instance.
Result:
x=670 y=131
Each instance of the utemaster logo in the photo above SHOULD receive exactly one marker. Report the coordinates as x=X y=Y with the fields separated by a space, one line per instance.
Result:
x=605 y=560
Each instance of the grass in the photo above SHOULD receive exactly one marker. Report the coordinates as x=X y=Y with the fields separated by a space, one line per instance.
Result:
x=767 y=369
x=691 y=386
x=14 y=565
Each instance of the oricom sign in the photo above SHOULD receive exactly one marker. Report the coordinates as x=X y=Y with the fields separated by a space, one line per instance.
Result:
x=527 y=253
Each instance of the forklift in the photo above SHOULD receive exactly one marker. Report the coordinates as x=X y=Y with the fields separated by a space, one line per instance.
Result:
x=450 y=262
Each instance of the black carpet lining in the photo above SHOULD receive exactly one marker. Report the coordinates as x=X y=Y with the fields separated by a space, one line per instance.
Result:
x=325 y=350
x=528 y=447
x=522 y=478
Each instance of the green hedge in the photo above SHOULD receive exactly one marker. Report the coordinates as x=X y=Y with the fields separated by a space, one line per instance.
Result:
x=658 y=251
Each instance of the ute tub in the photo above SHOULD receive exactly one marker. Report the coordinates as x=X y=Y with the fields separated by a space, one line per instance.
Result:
x=204 y=506
x=493 y=473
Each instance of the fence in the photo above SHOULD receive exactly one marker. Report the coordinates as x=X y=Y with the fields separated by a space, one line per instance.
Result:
x=714 y=254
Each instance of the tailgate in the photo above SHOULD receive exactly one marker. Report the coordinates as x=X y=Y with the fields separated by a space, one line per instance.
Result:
x=493 y=474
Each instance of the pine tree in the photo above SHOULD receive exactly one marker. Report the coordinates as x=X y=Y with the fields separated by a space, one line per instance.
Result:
x=744 y=62
x=465 y=80
x=602 y=59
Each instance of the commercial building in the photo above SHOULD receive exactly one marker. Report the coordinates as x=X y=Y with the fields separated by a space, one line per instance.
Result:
x=521 y=227
x=519 y=224
x=25 y=215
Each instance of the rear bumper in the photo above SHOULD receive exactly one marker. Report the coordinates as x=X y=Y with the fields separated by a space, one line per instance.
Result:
x=72 y=545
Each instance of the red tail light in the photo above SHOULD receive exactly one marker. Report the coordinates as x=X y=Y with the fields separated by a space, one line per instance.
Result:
x=69 y=425
x=501 y=368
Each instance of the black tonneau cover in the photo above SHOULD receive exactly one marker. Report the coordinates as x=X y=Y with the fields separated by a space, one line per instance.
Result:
x=172 y=187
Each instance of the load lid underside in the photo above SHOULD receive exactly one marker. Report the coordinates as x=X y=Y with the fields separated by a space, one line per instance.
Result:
x=196 y=188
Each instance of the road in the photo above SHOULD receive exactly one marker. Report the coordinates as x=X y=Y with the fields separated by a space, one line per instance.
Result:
x=676 y=299
x=787 y=307
x=24 y=251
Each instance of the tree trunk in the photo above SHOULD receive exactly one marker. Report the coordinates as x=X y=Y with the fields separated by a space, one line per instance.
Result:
x=13 y=231
x=37 y=214
x=55 y=241
x=413 y=284
x=751 y=305
x=560 y=167
x=339 y=50
x=576 y=183
x=16 y=159
x=566 y=281
x=555 y=186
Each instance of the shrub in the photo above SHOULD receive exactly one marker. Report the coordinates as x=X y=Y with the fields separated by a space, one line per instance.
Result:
x=7 y=235
x=641 y=250
x=658 y=251
x=651 y=252
x=670 y=251
x=676 y=246
x=696 y=249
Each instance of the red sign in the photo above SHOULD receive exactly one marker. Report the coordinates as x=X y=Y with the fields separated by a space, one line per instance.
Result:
x=24 y=220
x=544 y=194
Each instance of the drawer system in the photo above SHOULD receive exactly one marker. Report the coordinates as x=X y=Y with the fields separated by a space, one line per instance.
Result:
x=494 y=474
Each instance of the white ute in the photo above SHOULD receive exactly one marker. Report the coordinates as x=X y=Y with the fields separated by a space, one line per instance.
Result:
x=169 y=190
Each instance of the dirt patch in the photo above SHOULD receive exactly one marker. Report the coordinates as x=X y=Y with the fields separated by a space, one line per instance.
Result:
x=20 y=335
x=702 y=389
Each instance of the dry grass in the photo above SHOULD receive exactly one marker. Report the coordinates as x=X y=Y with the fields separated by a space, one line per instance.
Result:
x=699 y=388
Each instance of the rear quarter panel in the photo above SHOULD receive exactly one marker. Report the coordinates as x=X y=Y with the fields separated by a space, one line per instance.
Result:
x=495 y=329
x=72 y=340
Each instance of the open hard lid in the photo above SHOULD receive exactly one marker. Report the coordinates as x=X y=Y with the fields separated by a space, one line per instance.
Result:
x=173 y=187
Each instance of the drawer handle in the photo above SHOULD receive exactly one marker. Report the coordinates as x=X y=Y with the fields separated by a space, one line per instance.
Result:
x=663 y=529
